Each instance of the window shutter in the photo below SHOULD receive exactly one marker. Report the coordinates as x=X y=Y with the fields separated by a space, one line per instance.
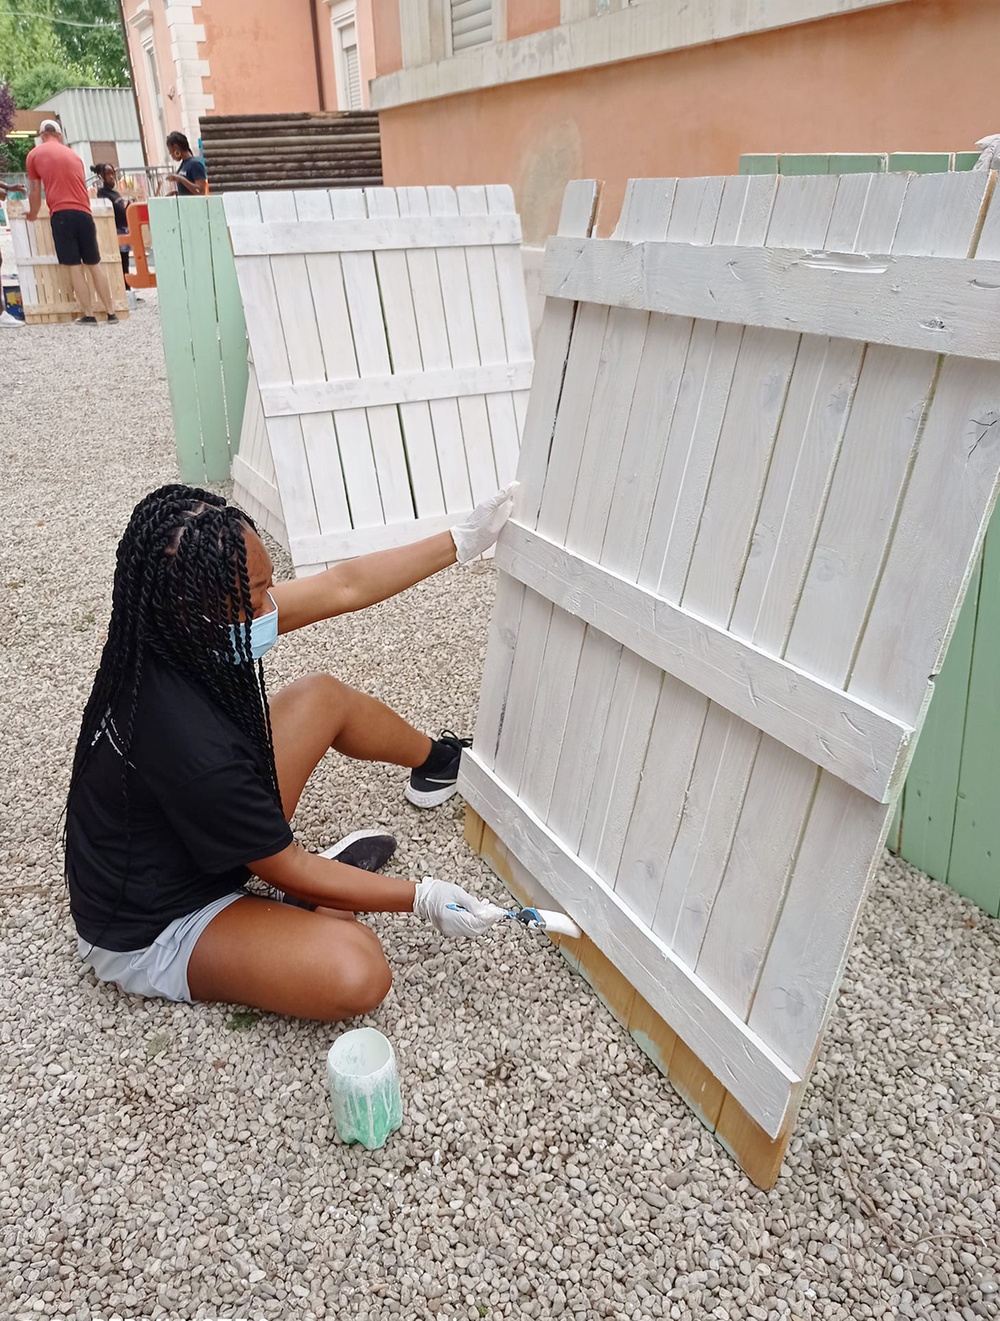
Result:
x=353 y=77
x=471 y=23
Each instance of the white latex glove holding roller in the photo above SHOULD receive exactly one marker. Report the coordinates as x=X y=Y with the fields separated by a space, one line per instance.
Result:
x=482 y=527
x=452 y=910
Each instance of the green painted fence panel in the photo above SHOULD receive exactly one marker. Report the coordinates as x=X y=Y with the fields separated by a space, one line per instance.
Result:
x=856 y=163
x=974 y=868
x=204 y=333
x=233 y=347
x=931 y=792
x=794 y=163
x=846 y=162
x=920 y=162
x=753 y=164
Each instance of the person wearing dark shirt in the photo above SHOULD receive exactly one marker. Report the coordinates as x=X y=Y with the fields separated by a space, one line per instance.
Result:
x=191 y=177
x=108 y=177
x=186 y=774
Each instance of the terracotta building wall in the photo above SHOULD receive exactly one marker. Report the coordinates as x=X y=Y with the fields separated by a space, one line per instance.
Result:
x=261 y=55
x=524 y=16
x=907 y=77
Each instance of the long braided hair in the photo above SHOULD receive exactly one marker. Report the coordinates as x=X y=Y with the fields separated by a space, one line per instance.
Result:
x=181 y=577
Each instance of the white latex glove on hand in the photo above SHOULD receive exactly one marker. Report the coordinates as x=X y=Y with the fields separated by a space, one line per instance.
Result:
x=481 y=529
x=452 y=911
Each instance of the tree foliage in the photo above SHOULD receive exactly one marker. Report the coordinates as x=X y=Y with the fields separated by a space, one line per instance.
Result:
x=98 y=51
x=34 y=87
x=8 y=108
x=39 y=55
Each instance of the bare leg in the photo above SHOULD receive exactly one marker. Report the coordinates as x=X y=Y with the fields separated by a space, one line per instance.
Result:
x=285 y=959
x=81 y=289
x=103 y=286
x=318 y=712
x=288 y=961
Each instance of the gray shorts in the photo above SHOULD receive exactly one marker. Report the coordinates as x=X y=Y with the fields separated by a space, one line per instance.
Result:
x=161 y=968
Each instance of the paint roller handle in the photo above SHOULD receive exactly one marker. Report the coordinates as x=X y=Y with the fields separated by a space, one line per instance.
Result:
x=545 y=919
x=538 y=919
x=559 y=922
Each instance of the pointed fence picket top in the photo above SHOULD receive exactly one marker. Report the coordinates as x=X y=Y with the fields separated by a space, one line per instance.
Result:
x=391 y=361
x=762 y=446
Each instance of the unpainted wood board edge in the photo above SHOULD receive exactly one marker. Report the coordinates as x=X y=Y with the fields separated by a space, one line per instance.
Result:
x=757 y=1155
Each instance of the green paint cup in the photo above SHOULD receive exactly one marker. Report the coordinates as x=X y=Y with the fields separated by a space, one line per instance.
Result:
x=364 y=1087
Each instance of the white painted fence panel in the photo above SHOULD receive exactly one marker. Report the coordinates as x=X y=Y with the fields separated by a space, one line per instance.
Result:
x=761 y=447
x=392 y=361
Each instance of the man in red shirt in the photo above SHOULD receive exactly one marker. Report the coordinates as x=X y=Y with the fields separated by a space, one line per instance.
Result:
x=73 y=230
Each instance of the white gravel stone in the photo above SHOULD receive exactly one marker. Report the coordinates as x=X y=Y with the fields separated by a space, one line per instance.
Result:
x=157 y=1163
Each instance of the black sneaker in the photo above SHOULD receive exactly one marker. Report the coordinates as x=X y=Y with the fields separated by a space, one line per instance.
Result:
x=85 y=321
x=369 y=850
x=112 y=319
x=435 y=781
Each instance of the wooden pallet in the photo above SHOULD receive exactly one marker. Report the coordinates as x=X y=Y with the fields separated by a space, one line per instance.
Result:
x=46 y=287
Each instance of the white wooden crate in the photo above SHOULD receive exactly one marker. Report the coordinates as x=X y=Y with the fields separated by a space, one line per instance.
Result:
x=762 y=445
x=392 y=361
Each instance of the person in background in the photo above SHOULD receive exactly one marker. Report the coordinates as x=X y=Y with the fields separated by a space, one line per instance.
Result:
x=107 y=177
x=74 y=233
x=191 y=178
x=6 y=320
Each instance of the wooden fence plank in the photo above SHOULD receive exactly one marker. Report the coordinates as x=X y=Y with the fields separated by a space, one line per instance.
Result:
x=398 y=388
x=941 y=306
x=178 y=340
x=371 y=347
x=197 y=245
x=463 y=344
x=404 y=351
x=488 y=311
x=413 y=230
x=232 y=324
x=578 y=216
x=432 y=327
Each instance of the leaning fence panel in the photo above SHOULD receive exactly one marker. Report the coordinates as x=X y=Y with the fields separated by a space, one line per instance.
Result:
x=742 y=545
x=391 y=354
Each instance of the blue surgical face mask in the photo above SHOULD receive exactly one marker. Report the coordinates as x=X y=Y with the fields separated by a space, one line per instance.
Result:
x=263 y=633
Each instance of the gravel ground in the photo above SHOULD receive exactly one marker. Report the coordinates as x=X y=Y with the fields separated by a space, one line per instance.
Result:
x=178 y=1161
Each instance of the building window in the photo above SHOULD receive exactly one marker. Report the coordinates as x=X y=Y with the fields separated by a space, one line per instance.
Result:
x=344 y=31
x=155 y=95
x=471 y=23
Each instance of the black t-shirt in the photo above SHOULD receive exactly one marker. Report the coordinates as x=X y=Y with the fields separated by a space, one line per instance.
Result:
x=200 y=807
x=120 y=207
x=192 y=169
